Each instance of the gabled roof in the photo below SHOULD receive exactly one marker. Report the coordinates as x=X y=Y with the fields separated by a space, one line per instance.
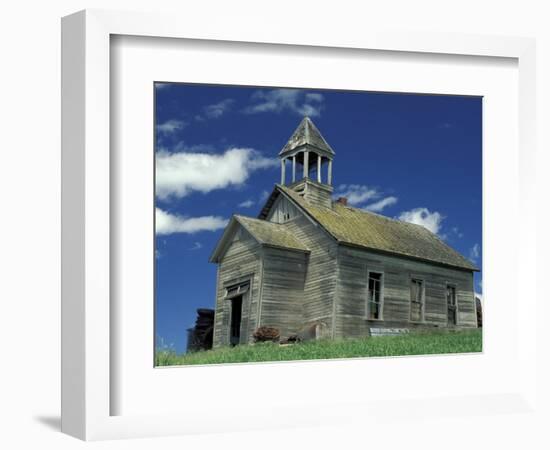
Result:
x=265 y=233
x=362 y=228
x=270 y=233
x=306 y=134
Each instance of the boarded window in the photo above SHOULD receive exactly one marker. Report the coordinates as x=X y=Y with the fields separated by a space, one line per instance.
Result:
x=239 y=289
x=417 y=299
x=374 y=303
x=451 y=304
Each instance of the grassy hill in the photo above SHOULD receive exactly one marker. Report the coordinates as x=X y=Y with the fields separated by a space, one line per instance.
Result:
x=412 y=344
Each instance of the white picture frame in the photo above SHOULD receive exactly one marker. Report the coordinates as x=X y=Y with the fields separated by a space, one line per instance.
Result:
x=87 y=354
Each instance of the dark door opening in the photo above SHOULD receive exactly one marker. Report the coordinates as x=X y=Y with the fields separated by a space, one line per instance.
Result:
x=236 y=315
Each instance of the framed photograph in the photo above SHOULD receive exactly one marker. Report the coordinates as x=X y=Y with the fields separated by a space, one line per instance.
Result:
x=314 y=262
x=267 y=229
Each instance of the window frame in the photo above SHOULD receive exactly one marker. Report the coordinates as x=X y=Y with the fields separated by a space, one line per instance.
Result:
x=422 y=302
x=240 y=289
x=368 y=302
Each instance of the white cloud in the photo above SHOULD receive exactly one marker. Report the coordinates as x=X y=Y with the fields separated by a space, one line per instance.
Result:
x=196 y=246
x=249 y=203
x=260 y=162
x=457 y=232
x=246 y=204
x=314 y=97
x=178 y=174
x=381 y=204
x=357 y=194
x=294 y=100
x=166 y=223
x=422 y=216
x=170 y=126
x=217 y=110
x=474 y=253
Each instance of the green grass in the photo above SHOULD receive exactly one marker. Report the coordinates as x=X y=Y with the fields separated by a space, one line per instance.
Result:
x=411 y=344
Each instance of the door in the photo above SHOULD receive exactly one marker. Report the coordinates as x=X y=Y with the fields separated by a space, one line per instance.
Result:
x=236 y=316
x=451 y=305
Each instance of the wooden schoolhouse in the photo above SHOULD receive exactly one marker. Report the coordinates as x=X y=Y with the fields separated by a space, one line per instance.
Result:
x=309 y=261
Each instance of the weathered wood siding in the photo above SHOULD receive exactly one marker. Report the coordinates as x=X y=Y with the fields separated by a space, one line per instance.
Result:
x=282 y=211
x=318 y=194
x=320 y=280
x=291 y=289
x=353 y=266
x=241 y=262
x=283 y=280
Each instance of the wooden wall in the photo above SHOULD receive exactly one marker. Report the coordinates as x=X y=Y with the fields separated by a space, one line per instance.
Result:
x=283 y=280
x=241 y=262
x=320 y=280
x=282 y=211
x=318 y=194
x=353 y=265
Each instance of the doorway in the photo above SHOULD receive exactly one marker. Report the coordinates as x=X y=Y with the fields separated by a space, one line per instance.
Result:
x=236 y=316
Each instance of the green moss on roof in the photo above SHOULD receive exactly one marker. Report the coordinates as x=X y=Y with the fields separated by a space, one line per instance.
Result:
x=272 y=234
x=366 y=229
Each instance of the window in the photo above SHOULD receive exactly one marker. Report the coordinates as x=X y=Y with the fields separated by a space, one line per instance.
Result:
x=451 y=304
x=417 y=300
x=236 y=290
x=374 y=296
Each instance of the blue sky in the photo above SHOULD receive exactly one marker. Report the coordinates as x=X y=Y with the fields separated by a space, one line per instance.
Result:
x=407 y=156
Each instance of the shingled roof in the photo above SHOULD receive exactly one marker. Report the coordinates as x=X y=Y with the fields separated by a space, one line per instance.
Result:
x=306 y=134
x=264 y=232
x=270 y=233
x=362 y=228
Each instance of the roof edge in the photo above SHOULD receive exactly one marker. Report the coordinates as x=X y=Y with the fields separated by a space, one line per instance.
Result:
x=214 y=256
x=407 y=256
x=280 y=188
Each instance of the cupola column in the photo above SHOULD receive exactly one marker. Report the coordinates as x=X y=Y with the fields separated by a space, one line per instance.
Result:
x=307 y=147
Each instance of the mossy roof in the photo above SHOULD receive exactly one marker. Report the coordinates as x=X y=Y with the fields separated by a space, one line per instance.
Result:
x=362 y=228
x=270 y=233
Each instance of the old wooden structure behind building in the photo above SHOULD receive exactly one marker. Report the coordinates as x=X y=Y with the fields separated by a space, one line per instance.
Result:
x=308 y=260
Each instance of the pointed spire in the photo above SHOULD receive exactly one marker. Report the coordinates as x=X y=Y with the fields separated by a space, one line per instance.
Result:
x=307 y=134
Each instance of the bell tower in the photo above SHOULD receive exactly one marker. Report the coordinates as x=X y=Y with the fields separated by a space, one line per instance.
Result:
x=309 y=158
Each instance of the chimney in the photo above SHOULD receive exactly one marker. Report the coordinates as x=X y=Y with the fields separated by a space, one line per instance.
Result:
x=342 y=201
